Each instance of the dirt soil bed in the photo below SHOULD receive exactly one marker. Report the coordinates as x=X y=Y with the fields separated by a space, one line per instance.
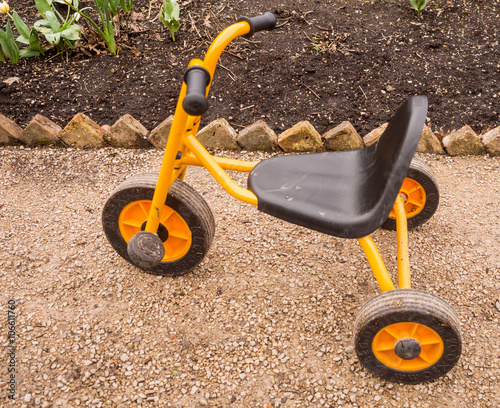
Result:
x=328 y=61
x=266 y=319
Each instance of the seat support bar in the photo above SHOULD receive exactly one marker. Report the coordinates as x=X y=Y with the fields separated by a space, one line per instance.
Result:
x=376 y=263
x=402 y=235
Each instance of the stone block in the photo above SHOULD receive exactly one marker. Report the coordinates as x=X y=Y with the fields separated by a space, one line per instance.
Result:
x=258 y=136
x=128 y=133
x=429 y=143
x=218 y=135
x=491 y=142
x=374 y=135
x=463 y=142
x=343 y=137
x=82 y=132
x=159 y=135
x=302 y=137
x=40 y=132
x=9 y=131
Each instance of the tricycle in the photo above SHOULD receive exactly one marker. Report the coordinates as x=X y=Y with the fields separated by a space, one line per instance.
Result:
x=160 y=224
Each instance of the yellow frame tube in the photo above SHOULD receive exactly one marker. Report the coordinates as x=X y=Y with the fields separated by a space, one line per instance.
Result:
x=212 y=57
x=376 y=263
x=226 y=164
x=217 y=172
x=185 y=126
x=402 y=235
x=165 y=180
x=221 y=42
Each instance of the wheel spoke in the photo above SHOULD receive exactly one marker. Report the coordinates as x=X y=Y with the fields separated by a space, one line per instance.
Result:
x=430 y=342
x=167 y=215
x=393 y=333
x=414 y=330
x=415 y=188
x=179 y=235
x=133 y=223
x=385 y=347
x=418 y=203
x=424 y=357
x=398 y=362
x=144 y=209
x=168 y=253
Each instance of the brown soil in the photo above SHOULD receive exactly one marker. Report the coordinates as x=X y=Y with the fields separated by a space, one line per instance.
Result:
x=328 y=61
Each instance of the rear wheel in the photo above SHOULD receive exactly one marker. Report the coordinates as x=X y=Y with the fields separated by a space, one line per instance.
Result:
x=408 y=336
x=420 y=193
x=186 y=227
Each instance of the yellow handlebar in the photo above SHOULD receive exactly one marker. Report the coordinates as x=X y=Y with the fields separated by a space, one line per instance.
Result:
x=222 y=41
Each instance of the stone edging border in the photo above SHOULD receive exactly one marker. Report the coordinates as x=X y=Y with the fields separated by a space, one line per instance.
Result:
x=82 y=132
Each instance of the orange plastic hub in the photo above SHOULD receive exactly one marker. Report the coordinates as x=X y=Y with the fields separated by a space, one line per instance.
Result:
x=172 y=227
x=414 y=198
x=386 y=340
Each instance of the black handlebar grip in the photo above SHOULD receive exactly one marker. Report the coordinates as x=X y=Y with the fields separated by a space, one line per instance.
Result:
x=266 y=21
x=197 y=79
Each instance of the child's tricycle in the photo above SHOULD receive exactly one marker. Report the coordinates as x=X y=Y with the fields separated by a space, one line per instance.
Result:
x=162 y=225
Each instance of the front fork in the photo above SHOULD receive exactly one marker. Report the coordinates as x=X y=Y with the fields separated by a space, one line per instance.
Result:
x=181 y=124
x=375 y=260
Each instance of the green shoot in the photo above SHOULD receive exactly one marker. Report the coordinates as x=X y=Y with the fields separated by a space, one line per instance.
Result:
x=169 y=16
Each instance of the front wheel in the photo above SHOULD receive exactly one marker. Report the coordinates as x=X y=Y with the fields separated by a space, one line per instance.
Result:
x=407 y=336
x=187 y=225
x=420 y=193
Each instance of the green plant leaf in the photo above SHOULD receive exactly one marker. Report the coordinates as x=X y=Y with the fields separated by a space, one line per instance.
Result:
x=8 y=44
x=34 y=41
x=176 y=11
x=28 y=53
x=162 y=19
x=168 y=6
x=54 y=23
x=2 y=38
x=126 y=5
x=42 y=6
x=71 y=44
x=70 y=21
x=40 y=24
x=72 y=33
x=173 y=27
x=169 y=16
x=103 y=4
x=418 y=4
x=113 y=7
x=23 y=40
x=53 y=38
x=21 y=27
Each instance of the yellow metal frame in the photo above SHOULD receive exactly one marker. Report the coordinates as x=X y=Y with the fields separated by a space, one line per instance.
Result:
x=182 y=139
x=183 y=149
x=375 y=260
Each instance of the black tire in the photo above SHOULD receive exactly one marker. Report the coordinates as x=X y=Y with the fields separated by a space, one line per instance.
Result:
x=183 y=199
x=420 y=172
x=432 y=323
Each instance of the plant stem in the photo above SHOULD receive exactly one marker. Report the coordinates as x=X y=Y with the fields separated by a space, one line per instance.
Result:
x=110 y=42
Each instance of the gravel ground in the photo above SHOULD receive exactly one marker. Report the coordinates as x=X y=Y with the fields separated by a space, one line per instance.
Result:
x=265 y=321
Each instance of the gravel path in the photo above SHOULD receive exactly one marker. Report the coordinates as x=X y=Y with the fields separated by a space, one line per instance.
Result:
x=265 y=321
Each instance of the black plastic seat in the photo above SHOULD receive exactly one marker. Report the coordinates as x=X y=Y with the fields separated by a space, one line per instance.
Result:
x=344 y=194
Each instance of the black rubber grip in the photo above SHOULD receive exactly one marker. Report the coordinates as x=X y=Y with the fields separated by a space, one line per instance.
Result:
x=266 y=21
x=197 y=79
